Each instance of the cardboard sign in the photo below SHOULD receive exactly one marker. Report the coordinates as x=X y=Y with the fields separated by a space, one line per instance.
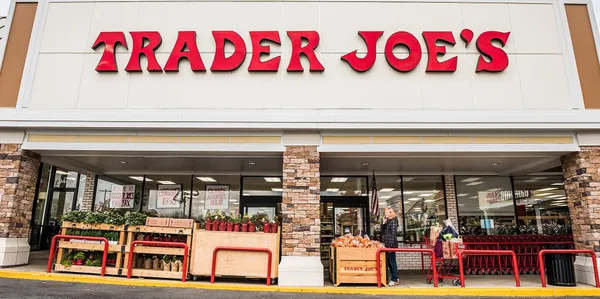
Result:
x=169 y=197
x=217 y=197
x=122 y=196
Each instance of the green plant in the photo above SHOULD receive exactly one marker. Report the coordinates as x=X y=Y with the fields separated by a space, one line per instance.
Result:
x=114 y=218
x=135 y=218
x=79 y=256
x=245 y=219
x=67 y=260
x=167 y=259
x=74 y=216
x=94 y=218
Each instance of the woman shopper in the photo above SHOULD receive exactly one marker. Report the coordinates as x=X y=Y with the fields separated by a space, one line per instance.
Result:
x=388 y=229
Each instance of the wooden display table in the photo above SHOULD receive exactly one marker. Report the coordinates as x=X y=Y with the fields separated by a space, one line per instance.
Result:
x=230 y=263
x=355 y=265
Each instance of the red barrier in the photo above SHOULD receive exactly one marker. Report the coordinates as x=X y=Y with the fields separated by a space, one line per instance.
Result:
x=428 y=251
x=159 y=244
x=233 y=248
x=467 y=252
x=572 y=251
x=104 y=253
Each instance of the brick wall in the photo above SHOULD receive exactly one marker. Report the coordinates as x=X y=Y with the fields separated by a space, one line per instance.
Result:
x=410 y=261
x=451 y=202
x=18 y=178
x=582 y=183
x=88 y=192
x=301 y=224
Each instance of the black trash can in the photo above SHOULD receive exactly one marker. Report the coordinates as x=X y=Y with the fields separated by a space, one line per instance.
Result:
x=560 y=269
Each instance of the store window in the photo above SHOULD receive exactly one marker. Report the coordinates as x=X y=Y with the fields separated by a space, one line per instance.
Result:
x=542 y=205
x=261 y=195
x=344 y=186
x=167 y=195
x=262 y=185
x=65 y=179
x=123 y=192
x=485 y=205
x=42 y=194
x=424 y=205
x=80 y=191
x=389 y=189
x=215 y=193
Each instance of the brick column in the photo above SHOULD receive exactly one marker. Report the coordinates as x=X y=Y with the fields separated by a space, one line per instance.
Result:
x=18 y=178
x=581 y=172
x=451 y=202
x=88 y=192
x=301 y=224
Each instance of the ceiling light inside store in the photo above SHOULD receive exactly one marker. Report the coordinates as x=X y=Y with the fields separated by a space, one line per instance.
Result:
x=494 y=189
x=332 y=190
x=408 y=179
x=140 y=178
x=246 y=194
x=474 y=197
x=73 y=179
x=364 y=163
x=408 y=192
x=546 y=189
x=469 y=180
x=496 y=163
x=277 y=189
x=61 y=172
x=123 y=162
x=385 y=197
x=417 y=209
x=555 y=196
x=206 y=179
x=272 y=180
x=166 y=182
x=414 y=199
x=462 y=195
x=251 y=162
x=339 y=180
x=544 y=194
x=474 y=183
x=425 y=194
x=429 y=200
x=386 y=190
x=558 y=184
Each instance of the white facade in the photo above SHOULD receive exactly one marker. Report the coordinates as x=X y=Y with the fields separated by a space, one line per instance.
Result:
x=539 y=89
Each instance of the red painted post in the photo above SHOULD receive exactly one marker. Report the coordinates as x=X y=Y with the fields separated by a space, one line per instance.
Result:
x=159 y=244
x=428 y=251
x=571 y=251
x=248 y=249
x=104 y=252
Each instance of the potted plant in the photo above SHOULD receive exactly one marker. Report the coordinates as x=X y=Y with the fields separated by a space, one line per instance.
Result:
x=236 y=224
x=216 y=222
x=78 y=258
x=230 y=224
x=208 y=221
x=244 y=223
x=274 y=224
x=266 y=224
x=223 y=223
x=252 y=224
x=166 y=263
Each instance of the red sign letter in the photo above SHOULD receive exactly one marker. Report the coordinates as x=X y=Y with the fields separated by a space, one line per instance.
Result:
x=185 y=40
x=231 y=63
x=433 y=64
x=364 y=64
x=414 y=51
x=309 y=51
x=108 y=62
x=138 y=49
x=271 y=65
x=498 y=58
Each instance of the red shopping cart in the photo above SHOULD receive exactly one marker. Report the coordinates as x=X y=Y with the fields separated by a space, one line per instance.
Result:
x=445 y=266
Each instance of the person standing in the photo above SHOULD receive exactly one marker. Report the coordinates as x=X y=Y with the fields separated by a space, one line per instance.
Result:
x=388 y=230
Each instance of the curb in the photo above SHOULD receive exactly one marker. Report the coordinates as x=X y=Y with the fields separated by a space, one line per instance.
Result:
x=479 y=292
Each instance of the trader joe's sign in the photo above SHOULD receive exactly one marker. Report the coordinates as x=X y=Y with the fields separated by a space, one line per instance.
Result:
x=122 y=196
x=169 y=197
x=217 y=197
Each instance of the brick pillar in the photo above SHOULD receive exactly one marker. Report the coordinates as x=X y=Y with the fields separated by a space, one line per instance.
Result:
x=301 y=224
x=451 y=202
x=581 y=172
x=18 y=178
x=88 y=192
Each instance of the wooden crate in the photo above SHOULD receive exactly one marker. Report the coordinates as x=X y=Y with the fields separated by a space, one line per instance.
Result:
x=159 y=251
x=355 y=265
x=89 y=246
x=234 y=263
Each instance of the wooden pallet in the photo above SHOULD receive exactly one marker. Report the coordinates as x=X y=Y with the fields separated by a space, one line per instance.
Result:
x=86 y=269
x=355 y=265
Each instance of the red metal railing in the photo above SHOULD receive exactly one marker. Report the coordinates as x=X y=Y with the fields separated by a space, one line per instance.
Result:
x=233 y=248
x=427 y=251
x=104 y=252
x=467 y=252
x=159 y=244
x=571 y=251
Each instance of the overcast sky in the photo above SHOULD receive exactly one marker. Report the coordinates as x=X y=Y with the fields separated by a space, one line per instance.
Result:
x=5 y=3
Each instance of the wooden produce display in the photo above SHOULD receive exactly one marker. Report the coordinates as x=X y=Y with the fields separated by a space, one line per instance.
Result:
x=166 y=234
x=73 y=245
x=355 y=265
x=234 y=263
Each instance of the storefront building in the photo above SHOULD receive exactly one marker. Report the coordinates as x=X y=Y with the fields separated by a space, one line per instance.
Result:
x=482 y=112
